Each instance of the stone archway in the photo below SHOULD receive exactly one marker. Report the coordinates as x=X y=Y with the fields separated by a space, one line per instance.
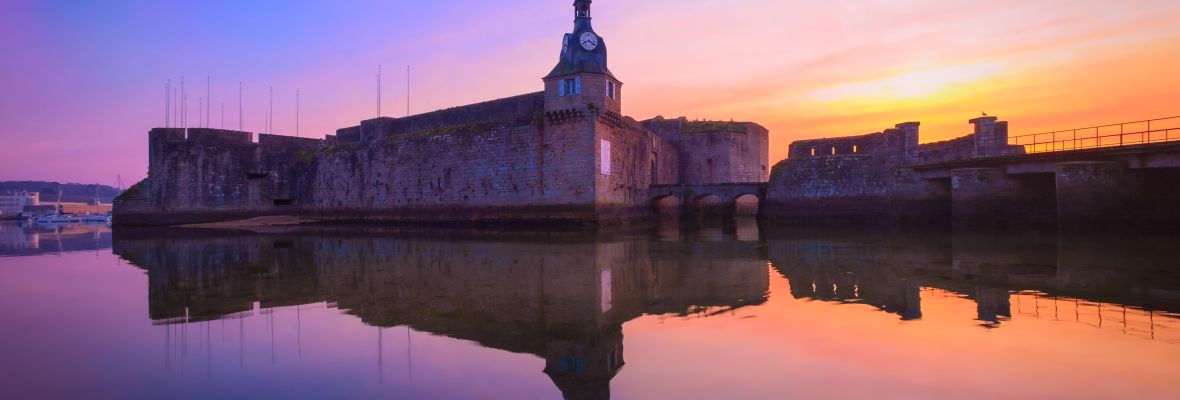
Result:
x=709 y=205
x=666 y=207
x=746 y=205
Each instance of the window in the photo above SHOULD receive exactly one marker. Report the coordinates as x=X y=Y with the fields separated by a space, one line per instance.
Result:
x=813 y=152
x=570 y=87
x=855 y=149
x=610 y=89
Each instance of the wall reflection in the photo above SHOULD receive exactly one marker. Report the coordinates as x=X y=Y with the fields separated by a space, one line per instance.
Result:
x=562 y=297
x=1080 y=278
x=565 y=296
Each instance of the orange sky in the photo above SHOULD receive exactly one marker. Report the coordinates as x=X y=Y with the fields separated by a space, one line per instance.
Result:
x=90 y=81
x=845 y=68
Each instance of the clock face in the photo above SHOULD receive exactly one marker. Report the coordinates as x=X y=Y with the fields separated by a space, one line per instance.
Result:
x=589 y=40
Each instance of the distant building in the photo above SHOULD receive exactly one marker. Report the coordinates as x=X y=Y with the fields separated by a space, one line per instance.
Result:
x=78 y=208
x=15 y=202
x=14 y=237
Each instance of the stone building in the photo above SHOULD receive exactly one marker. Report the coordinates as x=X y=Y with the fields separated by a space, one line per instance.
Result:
x=870 y=178
x=15 y=203
x=565 y=154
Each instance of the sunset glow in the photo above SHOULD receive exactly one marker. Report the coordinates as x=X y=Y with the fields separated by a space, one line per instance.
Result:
x=84 y=82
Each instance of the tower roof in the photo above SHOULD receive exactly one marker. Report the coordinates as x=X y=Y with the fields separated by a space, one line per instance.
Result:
x=569 y=67
x=576 y=58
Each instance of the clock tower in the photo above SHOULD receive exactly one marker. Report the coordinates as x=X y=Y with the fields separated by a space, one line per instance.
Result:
x=581 y=79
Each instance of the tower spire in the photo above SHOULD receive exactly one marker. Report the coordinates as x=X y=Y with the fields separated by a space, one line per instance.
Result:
x=582 y=8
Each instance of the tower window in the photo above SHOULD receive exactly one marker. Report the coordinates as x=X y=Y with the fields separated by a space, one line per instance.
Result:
x=610 y=89
x=570 y=87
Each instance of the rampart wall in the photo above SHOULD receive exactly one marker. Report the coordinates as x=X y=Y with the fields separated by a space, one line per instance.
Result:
x=507 y=112
x=854 y=179
x=869 y=178
x=638 y=159
x=716 y=151
x=199 y=175
x=551 y=171
x=495 y=174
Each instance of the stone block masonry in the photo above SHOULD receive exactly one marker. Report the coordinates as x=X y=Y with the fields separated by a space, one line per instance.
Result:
x=713 y=152
x=507 y=112
x=855 y=179
x=203 y=175
x=978 y=181
x=493 y=175
x=547 y=170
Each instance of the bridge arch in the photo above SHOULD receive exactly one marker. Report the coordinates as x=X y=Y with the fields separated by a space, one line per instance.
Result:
x=723 y=199
x=666 y=206
x=709 y=204
x=746 y=205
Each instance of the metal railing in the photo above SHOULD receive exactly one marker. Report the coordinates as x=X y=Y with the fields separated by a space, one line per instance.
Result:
x=1114 y=135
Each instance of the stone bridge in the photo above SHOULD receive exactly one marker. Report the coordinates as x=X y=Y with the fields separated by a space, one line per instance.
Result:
x=1102 y=187
x=1120 y=176
x=706 y=199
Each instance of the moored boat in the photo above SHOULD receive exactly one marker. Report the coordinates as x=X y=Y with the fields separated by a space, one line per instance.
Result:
x=56 y=218
x=95 y=218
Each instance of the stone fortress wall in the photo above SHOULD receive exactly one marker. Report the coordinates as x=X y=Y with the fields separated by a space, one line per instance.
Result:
x=199 y=175
x=565 y=154
x=503 y=160
x=715 y=151
x=867 y=179
x=569 y=154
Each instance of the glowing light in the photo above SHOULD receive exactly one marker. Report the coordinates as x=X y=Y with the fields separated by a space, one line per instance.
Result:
x=911 y=85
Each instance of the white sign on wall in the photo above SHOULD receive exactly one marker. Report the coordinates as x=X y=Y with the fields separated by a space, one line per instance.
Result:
x=604 y=282
x=604 y=158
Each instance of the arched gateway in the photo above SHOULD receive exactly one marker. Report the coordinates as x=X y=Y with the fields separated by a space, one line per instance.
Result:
x=723 y=199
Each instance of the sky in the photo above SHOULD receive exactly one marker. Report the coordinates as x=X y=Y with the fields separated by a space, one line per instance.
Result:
x=82 y=82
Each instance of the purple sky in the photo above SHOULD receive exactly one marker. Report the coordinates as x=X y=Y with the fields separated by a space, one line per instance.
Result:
x=81 y=82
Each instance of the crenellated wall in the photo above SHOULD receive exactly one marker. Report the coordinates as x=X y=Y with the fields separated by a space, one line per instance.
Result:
x=854 y=179
x=713 y=152
x=550 y=169
x=498 y=174
x=200 y=175
x=871 y=178
x=506 y=112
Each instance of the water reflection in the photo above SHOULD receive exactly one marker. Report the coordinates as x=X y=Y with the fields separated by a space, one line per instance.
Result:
x=563 y=298
x=1115 y=282
x=571 y=298
x=26 y=238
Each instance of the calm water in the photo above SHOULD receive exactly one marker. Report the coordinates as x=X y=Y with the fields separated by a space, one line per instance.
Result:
x=732 y=312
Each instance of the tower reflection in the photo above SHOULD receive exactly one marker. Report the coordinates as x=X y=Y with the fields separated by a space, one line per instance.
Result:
x=564 y=297
x=560 y=297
